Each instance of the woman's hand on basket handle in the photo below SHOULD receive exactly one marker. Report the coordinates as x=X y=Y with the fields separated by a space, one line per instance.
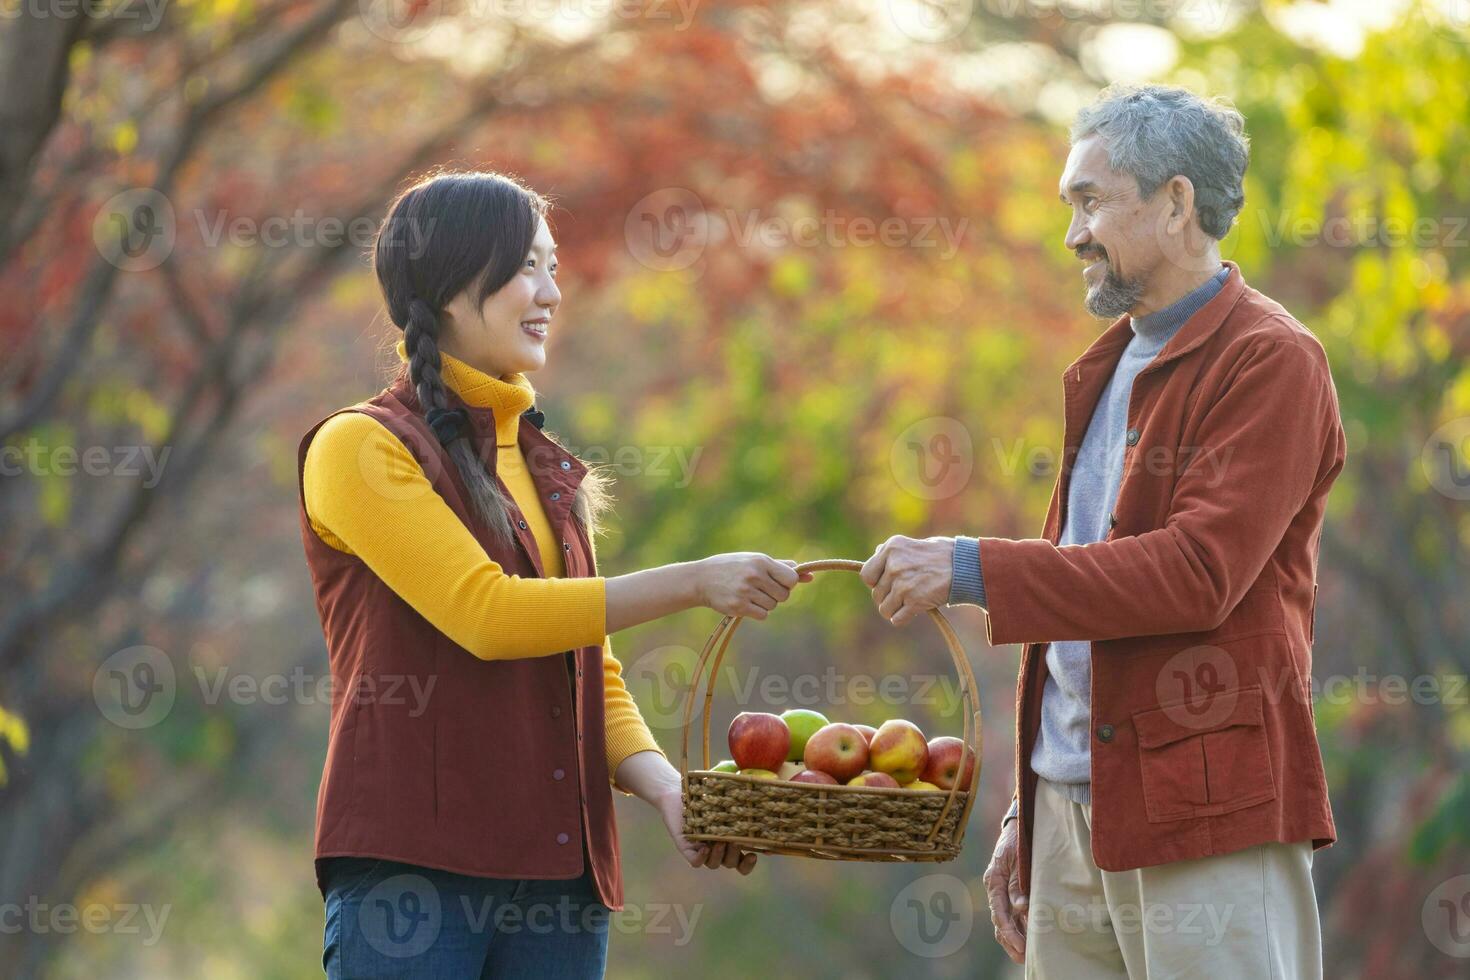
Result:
x=746 y=583
x=1008 y=904
x=648 y=776
x=739 y=584
x=910 y=576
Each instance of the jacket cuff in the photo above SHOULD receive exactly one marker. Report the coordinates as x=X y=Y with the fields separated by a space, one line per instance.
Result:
x=967 y=584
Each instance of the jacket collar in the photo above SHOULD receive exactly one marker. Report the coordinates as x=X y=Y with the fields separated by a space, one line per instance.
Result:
x=1196 y=330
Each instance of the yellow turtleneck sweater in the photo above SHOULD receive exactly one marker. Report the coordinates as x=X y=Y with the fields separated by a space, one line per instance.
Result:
x=367 y=496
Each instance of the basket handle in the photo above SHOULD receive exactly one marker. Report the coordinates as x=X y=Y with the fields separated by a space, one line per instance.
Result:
x=719 y=641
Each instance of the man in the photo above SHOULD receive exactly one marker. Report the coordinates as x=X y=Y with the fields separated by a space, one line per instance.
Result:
x=1170 y=790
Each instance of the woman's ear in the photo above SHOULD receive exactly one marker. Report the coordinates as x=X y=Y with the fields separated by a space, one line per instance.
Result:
x=455 y=314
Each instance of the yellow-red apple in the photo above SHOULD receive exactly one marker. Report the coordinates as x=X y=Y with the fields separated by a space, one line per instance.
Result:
x=871 y=778
x=899 y=749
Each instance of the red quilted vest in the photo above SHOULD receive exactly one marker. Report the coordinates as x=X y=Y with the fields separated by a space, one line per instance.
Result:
x=500 y=771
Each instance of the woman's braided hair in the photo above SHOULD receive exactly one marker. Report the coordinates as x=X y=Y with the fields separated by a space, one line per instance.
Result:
x=447 y=233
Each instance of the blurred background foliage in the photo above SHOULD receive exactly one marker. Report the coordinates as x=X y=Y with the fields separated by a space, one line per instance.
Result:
x=760 y=396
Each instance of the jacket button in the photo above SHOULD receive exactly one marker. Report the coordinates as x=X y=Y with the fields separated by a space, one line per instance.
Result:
x=556 y=711
x=1112 y=521
x=1104 y=733
x=562 y=838
x=566 y=546
x=522 y=524
x=566 y=465
x=559 y=774
x=555 y=495
x=1132 y=437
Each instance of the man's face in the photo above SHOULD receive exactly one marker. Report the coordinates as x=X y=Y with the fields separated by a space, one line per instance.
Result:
x=1113 y=230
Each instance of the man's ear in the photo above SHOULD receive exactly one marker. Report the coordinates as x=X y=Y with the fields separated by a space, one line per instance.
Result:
x=1181 y=202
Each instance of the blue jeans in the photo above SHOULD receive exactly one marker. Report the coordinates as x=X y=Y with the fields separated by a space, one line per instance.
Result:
x=387 y=919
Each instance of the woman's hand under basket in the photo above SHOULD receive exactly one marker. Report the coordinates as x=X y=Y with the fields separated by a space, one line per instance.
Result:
x=648 y=776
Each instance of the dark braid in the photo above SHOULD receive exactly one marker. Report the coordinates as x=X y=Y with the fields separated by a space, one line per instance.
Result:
x=421 y=339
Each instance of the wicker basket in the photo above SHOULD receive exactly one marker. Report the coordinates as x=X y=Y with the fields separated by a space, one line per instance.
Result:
x=840 y=823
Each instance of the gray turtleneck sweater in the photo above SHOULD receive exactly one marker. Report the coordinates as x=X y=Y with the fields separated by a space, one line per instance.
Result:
x=1062 y=754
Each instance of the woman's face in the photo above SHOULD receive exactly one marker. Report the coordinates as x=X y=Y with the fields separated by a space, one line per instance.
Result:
x=507 y=335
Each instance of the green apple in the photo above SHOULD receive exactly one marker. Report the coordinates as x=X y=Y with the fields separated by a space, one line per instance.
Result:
x=803 y=723
x=727 y=765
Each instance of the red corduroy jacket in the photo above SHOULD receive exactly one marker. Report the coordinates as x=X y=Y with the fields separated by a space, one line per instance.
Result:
x=1199 y=603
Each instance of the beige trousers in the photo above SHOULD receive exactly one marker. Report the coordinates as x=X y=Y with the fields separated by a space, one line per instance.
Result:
x=1248 y=915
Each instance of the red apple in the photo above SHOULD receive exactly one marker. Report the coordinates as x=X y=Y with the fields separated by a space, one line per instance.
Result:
x=868 y=732
x=838 y=750
x=871 y=778
x=899 y=749
x=813 y=776
x=945 y=753
x=759 y=740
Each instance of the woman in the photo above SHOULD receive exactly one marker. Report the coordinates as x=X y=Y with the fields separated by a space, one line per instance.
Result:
x=481 y=717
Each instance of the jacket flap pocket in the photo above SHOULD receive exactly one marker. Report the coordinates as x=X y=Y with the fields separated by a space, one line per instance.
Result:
x=1180 y=719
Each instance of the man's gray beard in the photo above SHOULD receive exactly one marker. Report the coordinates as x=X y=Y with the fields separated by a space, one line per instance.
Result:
x=1113 y=297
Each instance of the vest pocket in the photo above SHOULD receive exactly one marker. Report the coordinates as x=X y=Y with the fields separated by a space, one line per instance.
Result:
x=1204 y=758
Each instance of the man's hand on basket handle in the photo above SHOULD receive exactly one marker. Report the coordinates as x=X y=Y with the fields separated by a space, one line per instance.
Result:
x=648 y=776
x=1008 y=904
x=910 y=576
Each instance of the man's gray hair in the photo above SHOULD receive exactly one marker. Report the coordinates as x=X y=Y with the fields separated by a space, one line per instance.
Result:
x=1155 y=132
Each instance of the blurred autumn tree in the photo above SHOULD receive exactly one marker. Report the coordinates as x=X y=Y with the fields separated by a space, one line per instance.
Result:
x=791 y=376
